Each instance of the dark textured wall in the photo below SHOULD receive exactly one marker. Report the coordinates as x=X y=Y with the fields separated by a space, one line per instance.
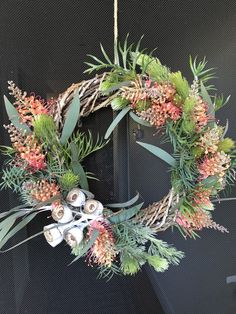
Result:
x=180 y=28
x=43 y=46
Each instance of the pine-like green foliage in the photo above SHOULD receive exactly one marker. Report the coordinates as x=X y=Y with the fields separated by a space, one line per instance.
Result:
x=226 y=145
x=160 y=264
x=152 y=66
x=188 y=125
x=123 y=63
x=180 y=83
x=86 y=146
x=188 y=105
x=119 y=103
x=143 y=104
x=114 y=80
x=185 y=173
x=45 y=128
x=129 y=264
x=200 y=72
x=220 y=101
x=13 y=177
x=55 y=167
x=7 y=150
x=69 y=180
x=137 y=245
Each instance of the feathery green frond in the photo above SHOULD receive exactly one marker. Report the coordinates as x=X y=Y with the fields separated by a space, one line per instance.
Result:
x=199 y=69
x=180 y=83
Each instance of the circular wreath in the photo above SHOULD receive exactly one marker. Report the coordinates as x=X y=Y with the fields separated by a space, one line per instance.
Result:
x=44 y=162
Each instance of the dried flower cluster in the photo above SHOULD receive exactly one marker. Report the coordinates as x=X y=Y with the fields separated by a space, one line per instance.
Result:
x=154 y=102
x=103 y=251
x=197 y=221
x=27 y=106
x=27 y=148
x=209 y=140
x=42 y=190
x=201 y=198
x=200 y=115
x=30 y=107
x=217 y=164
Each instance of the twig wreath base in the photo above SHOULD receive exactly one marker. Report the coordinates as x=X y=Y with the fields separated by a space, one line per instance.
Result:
x=159 y=215
x=44 y=164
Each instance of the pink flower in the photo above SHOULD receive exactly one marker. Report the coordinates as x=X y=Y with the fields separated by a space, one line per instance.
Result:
x=217 y=164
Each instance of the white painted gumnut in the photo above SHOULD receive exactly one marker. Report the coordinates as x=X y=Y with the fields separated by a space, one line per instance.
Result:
x=93 y=207
x=53 y=234
x=74 y=236
x=76 y=197
x=62 y=214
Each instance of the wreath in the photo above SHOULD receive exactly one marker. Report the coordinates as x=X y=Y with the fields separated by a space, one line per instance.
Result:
x=45 y=163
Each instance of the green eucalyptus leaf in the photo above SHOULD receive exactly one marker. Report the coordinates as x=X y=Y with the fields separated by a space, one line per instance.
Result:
x=24 y=241
x=206 y=97
x=88 y=194
x=159 y=152
x=115 y=122
x=14 y=117
x=125 y=214
x=72 y=117
x=87 y=246
x=77 y=168
x=14 y=209
x=126 y=204
x=17 y=228
x=12 y=217
x=139 y=120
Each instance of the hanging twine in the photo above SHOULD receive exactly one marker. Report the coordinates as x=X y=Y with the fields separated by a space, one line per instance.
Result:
x=116 y=57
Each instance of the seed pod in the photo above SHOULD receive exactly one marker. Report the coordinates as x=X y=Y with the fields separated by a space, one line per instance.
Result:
x=76 y=197
x=53 y=236
x=74 y=236
x=62 y=214
x=93 y=207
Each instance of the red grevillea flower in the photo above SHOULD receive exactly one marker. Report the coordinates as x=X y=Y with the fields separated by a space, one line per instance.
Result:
x=159 y=112
x=217 y=164
x=103 y=251
x=29 y=107
x=201 y=198
x=42 y=190
x=197 y=221
x=27 y=148
x=200 y=115
x=210 y=139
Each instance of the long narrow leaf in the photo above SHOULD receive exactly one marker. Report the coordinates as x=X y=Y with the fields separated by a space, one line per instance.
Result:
x=115 y=122
x=139 y=120
x=125 y=214
x=126 y=204
x=105 y=54
x=14 y=117
x=206 y=97
x=24 y=241
x=13 y=218
x=15 y=209
x=88 y=194
x=17 y=228
x=87 y=246
x=71 y=120
x=159 y=152
x=77 y=168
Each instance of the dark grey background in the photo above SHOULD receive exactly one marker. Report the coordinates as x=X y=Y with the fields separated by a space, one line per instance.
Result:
x=43 y=45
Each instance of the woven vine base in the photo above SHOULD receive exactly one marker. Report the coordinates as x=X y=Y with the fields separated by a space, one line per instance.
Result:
x=159 y=215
